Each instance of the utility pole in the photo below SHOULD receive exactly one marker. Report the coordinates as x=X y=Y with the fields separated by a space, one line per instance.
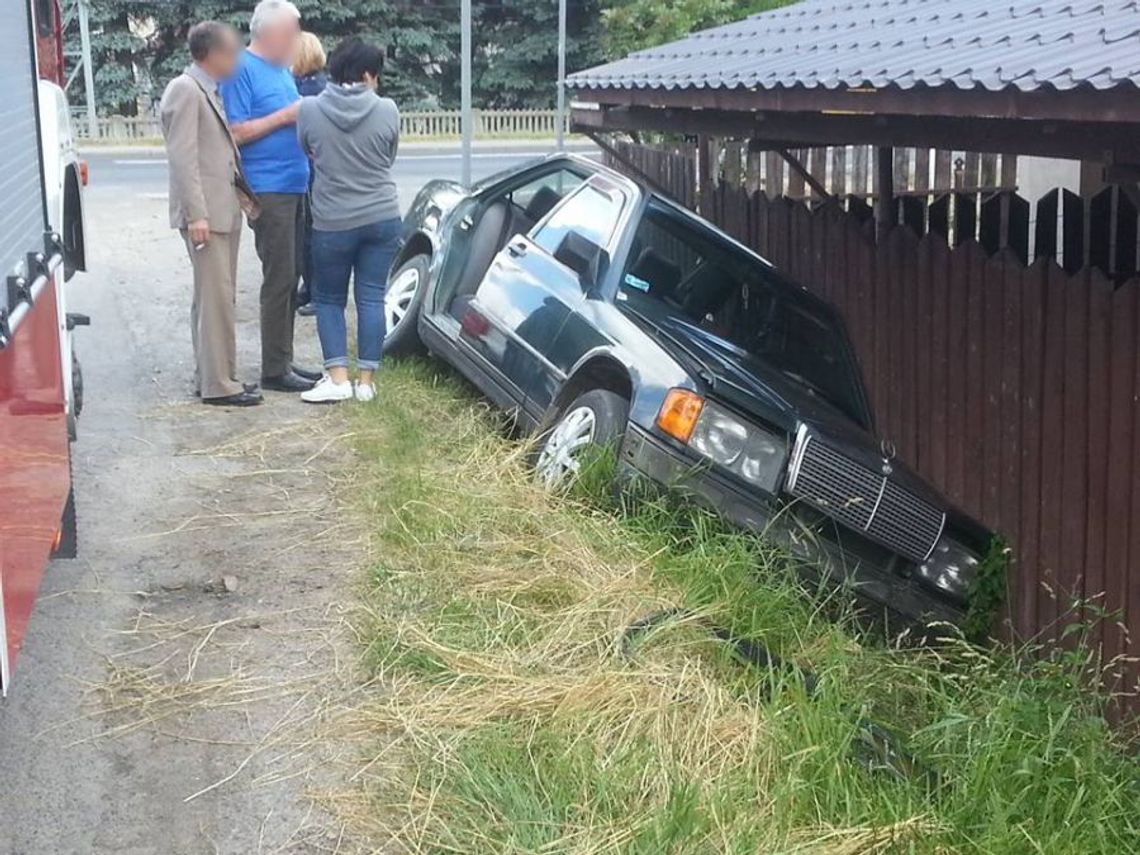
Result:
x=465 y=89
x=560 y=132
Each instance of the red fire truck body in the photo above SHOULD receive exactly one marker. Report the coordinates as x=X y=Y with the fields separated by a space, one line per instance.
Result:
x=39 y=393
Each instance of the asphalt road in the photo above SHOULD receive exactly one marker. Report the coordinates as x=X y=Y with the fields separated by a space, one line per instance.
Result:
x=143 y=171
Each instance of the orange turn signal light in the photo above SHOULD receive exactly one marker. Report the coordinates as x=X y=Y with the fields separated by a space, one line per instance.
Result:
x=84 y=173
x=678 y=415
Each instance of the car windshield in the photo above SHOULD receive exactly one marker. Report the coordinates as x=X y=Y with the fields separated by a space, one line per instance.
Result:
x=693 y=279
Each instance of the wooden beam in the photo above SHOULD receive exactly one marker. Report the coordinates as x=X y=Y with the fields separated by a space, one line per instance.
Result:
x=797 y=167
x=773 y=130
x=1119 y=104
x=644 y=176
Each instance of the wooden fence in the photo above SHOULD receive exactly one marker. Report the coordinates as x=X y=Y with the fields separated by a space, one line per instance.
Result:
x=492 y=124
x=1013 y=387
x=961 y=204
x=841 y=170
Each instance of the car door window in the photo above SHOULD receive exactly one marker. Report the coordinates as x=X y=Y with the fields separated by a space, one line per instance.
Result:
x=592 y=212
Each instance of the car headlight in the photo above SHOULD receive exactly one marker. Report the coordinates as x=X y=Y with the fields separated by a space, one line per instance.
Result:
x=750 y=452
x=950 y=569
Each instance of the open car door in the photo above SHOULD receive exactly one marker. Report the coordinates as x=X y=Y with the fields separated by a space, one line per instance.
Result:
x=536 y=283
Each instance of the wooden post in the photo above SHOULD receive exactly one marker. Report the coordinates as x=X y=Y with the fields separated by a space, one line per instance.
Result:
x=706 y=175
x=885 y=192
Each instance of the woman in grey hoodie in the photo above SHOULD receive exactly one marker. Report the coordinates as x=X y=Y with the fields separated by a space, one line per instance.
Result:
x=351 y=135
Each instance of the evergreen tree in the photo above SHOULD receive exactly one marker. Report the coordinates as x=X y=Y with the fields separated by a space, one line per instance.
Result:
x=517 y=63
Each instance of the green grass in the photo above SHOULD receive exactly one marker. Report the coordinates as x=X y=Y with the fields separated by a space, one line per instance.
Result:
x=511 y=721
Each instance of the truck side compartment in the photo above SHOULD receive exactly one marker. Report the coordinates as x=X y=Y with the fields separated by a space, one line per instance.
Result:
x=35 y=355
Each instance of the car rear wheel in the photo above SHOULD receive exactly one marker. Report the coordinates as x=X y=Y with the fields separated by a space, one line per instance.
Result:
x=402 y=300
x=594 y=421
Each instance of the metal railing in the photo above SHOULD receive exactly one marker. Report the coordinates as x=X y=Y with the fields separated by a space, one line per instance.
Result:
x=429 y=124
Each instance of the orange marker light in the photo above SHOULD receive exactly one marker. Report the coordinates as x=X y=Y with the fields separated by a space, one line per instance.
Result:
x=678 y=415
x=84 y=173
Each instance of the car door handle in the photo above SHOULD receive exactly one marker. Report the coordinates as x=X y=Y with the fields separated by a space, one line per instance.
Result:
x=517 y=248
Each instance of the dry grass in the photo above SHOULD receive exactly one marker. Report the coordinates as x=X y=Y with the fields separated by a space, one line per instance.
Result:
x=497 y=622
x=511 y=721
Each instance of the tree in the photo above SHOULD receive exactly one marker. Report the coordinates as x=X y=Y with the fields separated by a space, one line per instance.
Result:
x=517 y=63
x=113 y=49
x=636 y=24
x=139 y=45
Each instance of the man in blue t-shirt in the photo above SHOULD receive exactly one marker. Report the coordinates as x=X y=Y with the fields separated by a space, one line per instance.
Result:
x=261 y=102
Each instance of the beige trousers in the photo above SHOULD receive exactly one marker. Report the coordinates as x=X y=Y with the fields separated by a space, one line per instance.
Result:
x=212 y=314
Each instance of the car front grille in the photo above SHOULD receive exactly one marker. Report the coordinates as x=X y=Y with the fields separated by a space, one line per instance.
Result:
x=863 y=499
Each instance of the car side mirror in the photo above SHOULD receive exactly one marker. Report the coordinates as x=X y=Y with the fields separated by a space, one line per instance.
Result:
x=584 y=257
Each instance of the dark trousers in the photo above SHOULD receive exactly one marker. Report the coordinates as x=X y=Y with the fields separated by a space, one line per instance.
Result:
x=305 y=253
x=278 y=235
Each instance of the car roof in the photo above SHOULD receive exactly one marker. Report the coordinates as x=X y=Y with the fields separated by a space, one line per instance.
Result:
x=650 y=192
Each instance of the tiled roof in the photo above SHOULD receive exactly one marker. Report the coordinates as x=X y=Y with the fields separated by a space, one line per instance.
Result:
x=967 y=44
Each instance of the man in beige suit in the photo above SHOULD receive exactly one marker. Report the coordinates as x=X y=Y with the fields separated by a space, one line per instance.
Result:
x=207 y=197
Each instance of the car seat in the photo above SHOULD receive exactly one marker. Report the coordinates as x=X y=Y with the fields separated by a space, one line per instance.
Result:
x=659 y=275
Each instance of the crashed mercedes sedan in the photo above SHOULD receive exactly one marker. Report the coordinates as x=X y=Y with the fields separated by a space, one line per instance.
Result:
x=601 y=313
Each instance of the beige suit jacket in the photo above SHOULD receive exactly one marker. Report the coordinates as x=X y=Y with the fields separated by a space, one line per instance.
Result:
x=205 y=176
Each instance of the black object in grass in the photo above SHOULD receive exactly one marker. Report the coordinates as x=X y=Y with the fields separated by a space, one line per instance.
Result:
x=875 y=747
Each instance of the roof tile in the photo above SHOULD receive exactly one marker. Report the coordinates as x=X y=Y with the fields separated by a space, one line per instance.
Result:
x=969 y=44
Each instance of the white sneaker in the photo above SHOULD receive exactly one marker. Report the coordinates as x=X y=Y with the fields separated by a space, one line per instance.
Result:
x=328 y=392
x=365 y=391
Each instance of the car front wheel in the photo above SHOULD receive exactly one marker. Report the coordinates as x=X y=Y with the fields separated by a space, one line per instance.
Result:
x=595 y=420
x=402 y=300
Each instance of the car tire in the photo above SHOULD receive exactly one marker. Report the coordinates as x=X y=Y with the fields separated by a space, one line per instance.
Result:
x=596 y=419
x=406 y=288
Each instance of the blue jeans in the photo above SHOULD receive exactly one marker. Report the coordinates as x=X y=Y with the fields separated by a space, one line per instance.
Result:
x=365 y=253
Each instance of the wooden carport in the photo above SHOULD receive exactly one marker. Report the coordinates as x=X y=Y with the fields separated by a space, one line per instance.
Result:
x=1010 y=380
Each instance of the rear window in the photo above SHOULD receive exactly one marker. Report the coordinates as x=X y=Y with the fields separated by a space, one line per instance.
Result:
x=591 y=212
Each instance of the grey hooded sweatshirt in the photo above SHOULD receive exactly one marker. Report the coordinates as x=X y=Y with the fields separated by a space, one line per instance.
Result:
x=351 y=135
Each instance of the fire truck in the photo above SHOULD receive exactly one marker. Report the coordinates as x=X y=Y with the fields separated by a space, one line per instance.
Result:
x=41 y=245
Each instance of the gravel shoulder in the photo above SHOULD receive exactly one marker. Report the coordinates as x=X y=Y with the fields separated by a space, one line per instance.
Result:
x=171 y=692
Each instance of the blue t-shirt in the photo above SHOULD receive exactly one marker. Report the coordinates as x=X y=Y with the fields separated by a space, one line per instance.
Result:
x=274 y=163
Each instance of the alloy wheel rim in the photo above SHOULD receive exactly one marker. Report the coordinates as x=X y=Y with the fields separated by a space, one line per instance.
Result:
x=559 y=456
x=398 y=297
